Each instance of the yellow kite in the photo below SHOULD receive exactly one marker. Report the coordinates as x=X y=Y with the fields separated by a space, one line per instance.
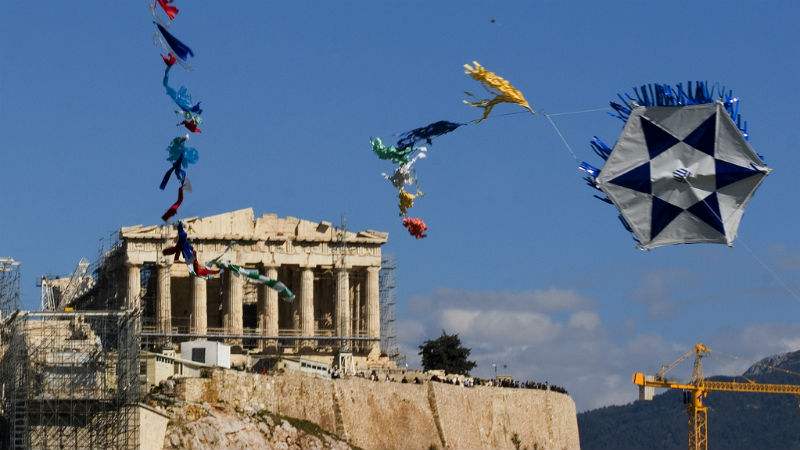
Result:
x=503 y=90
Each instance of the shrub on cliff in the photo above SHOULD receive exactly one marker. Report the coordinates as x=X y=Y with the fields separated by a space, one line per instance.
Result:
x=446 y=353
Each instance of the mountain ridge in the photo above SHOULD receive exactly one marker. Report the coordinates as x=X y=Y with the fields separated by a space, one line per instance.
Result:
x=735 y=420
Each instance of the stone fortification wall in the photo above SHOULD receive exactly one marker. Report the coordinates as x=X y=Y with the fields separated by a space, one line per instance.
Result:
x=486 y=418
x=385 y=415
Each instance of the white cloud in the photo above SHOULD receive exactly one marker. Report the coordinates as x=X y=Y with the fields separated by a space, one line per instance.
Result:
x=512 y=328
x=555 y=335
x=584 y=320
x=544 y=300
x=546 y=335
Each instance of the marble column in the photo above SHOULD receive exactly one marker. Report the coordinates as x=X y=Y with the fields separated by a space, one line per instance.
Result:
x=268 y=310
x=357 y=308
x=307 y=304
x=232 y=309
x=373 y=307
x=199 y=323
x=164 y=299
x=342 y=302
x=133 y=300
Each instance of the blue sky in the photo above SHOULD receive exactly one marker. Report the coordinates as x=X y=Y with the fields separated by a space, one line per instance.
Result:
x=293 y=91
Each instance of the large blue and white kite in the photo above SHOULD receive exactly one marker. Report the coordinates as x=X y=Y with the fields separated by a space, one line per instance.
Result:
x=682 y=171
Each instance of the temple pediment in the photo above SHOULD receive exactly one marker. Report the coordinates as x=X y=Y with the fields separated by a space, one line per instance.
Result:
x=242 y=225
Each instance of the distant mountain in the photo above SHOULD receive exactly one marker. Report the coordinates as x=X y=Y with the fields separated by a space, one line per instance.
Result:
x=735 y=421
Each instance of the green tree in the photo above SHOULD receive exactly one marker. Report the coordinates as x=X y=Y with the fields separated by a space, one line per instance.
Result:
x=446 y=353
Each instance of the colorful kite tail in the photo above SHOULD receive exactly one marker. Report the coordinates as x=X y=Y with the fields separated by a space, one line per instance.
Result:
x=416 y=227
x=181 y=50
x=169 y=60
x=191 y=125
x=174 y=208
x=200 y=270
x=176 y=168
x=203 y=271
x=169 y=10
x=406 y=201
x=174 y=250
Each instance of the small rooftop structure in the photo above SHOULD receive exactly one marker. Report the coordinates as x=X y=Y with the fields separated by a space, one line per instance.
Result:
x=207 y=352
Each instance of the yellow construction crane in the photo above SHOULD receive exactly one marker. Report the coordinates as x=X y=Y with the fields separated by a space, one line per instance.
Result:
x=698 y=388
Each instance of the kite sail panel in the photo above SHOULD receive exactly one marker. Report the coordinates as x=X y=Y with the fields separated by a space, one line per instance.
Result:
x=679 y=174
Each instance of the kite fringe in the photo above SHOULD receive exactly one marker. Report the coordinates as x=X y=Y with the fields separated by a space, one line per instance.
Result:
x=591 y=173
x=661 y=94
x=600 y=148
x=697 y=93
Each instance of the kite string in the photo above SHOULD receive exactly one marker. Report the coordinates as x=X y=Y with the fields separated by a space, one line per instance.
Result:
x=561 y=135
x=563 y=139
x=582 y=111
x=772 y=271
x=495 y=116
x=766 y=267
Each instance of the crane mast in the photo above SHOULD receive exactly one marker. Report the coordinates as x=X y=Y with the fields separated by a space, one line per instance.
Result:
x=698 y=389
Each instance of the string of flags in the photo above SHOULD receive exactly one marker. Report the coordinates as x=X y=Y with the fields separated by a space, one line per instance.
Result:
x=253 y=276
x=181 y=156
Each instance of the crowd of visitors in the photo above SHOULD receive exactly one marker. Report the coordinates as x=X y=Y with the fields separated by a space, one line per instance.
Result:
x=460 y=380
x=514 y=384
x=439 y=376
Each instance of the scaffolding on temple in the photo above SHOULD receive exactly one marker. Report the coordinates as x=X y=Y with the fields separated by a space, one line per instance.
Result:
x=98 y=285
x=71 y=380
x=387 y=285
x=59 y=291
x=9 y=286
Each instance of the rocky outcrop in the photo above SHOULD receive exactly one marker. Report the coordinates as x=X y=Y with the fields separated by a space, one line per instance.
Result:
x=386 y=415
x=200 y=426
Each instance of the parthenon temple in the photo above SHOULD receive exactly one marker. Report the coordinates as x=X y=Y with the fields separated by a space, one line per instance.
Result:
x=334 y=274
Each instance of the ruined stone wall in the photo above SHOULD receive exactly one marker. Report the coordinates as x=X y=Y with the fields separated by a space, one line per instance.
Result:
x=385 y=415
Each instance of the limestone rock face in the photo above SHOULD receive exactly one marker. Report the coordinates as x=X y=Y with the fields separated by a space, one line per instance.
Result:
x=200 y=426
x=388 y=415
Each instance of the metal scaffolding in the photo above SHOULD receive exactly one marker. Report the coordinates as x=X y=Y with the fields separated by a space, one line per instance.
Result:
x=9 y=286
x=59 y=291
x=97 y=285
x=388 y=301
x=71 y=380
x=103 y=281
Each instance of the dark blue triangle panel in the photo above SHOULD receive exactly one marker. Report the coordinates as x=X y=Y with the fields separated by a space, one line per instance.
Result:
x=637 y=179
x=702 y=138
x=729 y=173
x=662 y=214
x=658 y=141
x=707 y=210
